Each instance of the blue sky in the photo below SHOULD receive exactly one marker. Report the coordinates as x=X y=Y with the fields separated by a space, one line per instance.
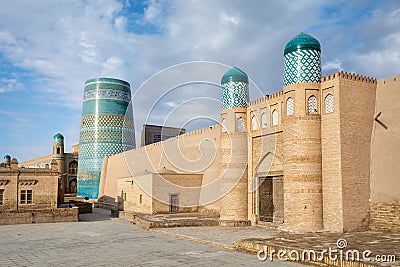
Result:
x=49 y=48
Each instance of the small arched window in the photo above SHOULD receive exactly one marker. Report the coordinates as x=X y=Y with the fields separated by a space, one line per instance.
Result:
x=275 y=117
x=254 y=124
x=58 y=150
x=73 y=167
x=223 y=123
x=329 y=103
x=312 y=105
x=240 y=124
x=289 y=106
x=264 y=120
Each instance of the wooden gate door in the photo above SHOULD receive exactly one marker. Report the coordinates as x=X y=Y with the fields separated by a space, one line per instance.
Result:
x=266 y=201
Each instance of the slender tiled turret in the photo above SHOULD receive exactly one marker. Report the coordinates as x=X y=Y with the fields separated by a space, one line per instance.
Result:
x=234 y=98
x=301 y=119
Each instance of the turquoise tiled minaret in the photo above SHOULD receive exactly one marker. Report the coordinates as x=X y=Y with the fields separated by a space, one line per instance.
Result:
x=106 y=129
x=235 y=89
x=302 y=60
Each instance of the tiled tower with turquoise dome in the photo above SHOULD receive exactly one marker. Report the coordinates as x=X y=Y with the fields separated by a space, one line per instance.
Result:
x=106 y=129
x=7 y=160
x=301 y=123
x=235 y=88
x=233 y=149
x=58 y=152
x=302 y=60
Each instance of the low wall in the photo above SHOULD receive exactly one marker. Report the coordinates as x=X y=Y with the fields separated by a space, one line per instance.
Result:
x=84 y=207
x=385 y=217
x=39 y=216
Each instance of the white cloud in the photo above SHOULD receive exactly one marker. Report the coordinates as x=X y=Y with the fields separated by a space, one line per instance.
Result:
x=230 y=19
x=112 y=64
x=63 y=43
x=120 y=22
x=153 y=11
x=332 y=66
x=10 y=85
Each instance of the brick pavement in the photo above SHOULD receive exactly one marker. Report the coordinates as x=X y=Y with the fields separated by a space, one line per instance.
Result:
x=215 y=235
x=99 y=240
x=382 y=245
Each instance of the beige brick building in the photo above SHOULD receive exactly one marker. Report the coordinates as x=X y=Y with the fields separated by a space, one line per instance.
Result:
x=67 y=163
x=321 y=154
x=31 y=195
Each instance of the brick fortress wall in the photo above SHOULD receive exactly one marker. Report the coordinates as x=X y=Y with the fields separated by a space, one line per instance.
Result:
x=385 y=147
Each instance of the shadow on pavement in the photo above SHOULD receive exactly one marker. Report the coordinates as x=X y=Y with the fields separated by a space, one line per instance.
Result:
x=98 y=214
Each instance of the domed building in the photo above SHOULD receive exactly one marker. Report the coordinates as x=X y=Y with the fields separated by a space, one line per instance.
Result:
x=303 y=158
x=320 y=154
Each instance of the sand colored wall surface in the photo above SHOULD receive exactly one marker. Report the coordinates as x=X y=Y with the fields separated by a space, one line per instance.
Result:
x=385 y=147
x=357 y=99
x=39 y=216
x=339 y=166
x=149 y=193
x=265 y=152
x=331 y=155
x=195 y=152
x=42 y=182
x=302 y=179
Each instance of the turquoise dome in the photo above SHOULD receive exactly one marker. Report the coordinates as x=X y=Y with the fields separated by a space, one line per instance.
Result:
x=234 y=89
x=58 y=136
x=236 y=74
x=302 y=41
x=7 y=157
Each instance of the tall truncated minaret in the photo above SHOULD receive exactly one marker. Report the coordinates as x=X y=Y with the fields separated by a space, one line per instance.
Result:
x=302 y=134
x=106 y=129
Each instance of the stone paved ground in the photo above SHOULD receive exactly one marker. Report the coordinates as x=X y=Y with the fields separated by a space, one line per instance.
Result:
x=220 y=236
x=99 y=240
x=380 y=244
x=383 y=245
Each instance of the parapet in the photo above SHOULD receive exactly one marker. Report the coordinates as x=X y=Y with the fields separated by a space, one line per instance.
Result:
x=274 y=95
x=175 y=138
x=389 y=80
x=349 y=76
x=256 y=102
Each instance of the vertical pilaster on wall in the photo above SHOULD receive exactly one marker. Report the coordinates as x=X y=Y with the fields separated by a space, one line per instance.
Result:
x=106 y=129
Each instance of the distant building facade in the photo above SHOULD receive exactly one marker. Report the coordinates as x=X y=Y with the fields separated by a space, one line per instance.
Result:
x=67 y=163
x=155 y=133
x=32 y=195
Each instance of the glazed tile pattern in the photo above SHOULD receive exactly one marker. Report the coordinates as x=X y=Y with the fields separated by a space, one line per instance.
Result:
x=302 y=66
x=58 y=139
x=106 y=129
x=235 y=89
x=235 y=94
x=111 y=94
